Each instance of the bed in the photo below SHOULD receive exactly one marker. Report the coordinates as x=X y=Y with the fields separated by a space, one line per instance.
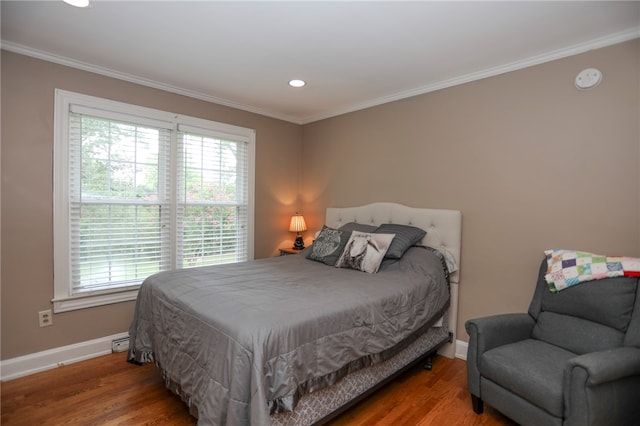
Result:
x=293 y=341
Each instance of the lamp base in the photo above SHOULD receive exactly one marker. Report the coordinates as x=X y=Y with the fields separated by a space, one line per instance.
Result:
x=298 y=244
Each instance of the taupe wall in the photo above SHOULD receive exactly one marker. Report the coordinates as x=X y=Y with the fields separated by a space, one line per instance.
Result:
x=27 y=235
x=531 y=162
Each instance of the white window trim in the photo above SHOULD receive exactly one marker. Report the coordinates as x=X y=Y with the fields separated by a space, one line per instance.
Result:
x=63 y=299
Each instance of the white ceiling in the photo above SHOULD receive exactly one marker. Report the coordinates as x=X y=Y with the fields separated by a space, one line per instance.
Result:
x=352 y=54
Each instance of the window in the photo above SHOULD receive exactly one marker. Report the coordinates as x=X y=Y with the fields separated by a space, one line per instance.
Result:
x=139 y=191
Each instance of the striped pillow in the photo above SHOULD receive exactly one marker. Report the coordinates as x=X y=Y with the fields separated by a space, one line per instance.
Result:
x=406 y=236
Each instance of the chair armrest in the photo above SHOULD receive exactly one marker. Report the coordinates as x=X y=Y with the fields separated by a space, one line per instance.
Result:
x=490 y=332
x=601 y=387
x=497 y=330
x=605 y=366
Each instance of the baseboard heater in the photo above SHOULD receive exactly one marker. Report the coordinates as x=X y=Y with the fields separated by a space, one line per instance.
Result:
x=120 y=345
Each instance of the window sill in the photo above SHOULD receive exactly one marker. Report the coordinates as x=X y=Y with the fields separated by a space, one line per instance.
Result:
x=73 y=303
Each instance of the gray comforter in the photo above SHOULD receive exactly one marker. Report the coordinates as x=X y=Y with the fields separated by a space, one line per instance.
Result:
x=240 y=340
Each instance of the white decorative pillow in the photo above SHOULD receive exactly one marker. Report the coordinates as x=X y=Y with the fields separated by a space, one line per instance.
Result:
x=452 y=265
x=364 y=251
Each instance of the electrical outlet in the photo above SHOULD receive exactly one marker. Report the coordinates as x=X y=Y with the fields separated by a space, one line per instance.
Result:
x=45 y=318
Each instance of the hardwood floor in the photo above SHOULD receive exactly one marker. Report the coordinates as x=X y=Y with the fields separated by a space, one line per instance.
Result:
x=109 y=391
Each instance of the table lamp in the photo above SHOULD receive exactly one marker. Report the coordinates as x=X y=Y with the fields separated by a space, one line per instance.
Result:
x=297 y=225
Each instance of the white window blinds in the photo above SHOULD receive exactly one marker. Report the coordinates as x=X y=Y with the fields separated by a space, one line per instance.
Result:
x=139 y=191
x=119 y=207
x=213 y=206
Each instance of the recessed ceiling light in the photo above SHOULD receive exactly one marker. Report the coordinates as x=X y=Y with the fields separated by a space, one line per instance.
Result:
x=297 y=83
x=77 y=3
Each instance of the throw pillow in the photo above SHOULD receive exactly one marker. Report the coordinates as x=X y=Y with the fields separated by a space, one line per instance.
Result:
x=406 y=236
x=328 y=245
x=355 y=226
x=364 y=251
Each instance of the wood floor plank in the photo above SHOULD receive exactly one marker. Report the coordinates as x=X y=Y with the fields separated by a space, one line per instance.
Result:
x=109 y=391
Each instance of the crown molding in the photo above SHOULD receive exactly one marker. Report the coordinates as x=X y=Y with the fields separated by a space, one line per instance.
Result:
x=107 y=72
x=576 y=49
x=620 y=37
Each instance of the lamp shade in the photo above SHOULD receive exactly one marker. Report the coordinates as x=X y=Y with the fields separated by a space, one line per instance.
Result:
x=297 y=223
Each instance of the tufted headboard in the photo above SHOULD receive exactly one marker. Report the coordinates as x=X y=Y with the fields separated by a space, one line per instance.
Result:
x=444 y=232
x=444 y=227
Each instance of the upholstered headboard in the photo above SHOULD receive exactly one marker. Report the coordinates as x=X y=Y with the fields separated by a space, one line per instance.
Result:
x=444 y=232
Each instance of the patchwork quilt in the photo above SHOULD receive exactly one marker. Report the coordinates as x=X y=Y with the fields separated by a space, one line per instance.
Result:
x=566 y=268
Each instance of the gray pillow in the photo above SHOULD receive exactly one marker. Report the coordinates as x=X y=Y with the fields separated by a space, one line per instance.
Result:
x=328 y=245
x=360 y=227
x=406 y=236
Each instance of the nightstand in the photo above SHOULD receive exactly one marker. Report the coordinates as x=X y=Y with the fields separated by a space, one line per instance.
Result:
x=288 y=251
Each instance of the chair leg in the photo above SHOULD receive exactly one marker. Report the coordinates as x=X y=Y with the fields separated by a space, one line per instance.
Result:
x=478 y=405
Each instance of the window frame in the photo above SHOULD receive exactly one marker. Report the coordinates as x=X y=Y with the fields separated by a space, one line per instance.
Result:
x=64 y=299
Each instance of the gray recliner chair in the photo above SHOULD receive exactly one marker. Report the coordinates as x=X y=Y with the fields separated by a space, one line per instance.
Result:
x=573 y=359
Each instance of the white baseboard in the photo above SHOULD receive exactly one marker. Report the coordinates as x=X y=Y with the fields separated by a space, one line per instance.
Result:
x=52 y=358
x=461 y=349
x=457 y=349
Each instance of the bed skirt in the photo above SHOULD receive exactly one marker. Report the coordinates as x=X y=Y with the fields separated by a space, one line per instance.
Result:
x=316 y=407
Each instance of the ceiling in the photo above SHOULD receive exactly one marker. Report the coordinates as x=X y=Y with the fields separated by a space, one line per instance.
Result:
x=353 y=55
